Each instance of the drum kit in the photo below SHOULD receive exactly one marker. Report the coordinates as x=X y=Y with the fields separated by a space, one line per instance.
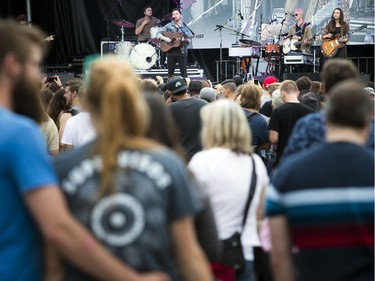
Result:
x=141 y=55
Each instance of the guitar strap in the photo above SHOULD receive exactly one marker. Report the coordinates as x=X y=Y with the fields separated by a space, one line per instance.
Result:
x=303 y=30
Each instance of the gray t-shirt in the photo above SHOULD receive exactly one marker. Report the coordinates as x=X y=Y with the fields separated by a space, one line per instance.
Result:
x=152 y=191
x=145 y=34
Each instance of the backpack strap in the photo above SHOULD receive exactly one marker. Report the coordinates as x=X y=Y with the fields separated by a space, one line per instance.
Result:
x=72 y=111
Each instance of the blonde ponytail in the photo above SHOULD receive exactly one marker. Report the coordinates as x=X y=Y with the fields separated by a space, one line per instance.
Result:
x=113 y=95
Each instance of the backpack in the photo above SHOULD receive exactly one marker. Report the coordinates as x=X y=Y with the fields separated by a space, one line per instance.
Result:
x=72 y=111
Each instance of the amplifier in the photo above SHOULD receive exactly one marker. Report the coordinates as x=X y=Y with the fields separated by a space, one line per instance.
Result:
x=107 y=47
x=240 y=52
x=299 y=58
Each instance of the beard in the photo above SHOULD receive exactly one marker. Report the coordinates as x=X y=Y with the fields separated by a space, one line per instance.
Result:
x=26 y=100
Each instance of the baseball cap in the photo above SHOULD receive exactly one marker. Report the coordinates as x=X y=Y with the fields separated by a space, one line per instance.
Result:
x=238 y=80
x=226 y=81
x=269 y=80
x=207 y=94
x=176 y=84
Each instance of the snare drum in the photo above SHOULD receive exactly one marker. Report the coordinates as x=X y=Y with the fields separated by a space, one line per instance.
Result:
x=143 y=56
x=123 y=49
x=153 y=31
x=272 y=48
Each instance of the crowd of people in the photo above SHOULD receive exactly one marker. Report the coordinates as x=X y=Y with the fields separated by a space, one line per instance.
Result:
x=123 y=178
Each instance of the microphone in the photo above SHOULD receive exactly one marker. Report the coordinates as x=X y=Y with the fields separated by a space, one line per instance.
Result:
x=218 y=27
x=173 y=18
x=272 y=21
x=239 y=14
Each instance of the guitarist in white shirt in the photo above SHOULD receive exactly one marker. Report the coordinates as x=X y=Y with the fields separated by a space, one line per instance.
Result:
x=301 y=31
x=337 y=27
x=176 y=54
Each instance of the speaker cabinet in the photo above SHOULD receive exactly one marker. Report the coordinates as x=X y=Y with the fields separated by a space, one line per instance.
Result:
x=295 y=76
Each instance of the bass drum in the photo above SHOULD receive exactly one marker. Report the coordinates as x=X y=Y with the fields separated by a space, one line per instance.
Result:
x=143 y=56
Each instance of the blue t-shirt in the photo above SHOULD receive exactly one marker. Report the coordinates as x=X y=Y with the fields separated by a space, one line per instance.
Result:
x=310 y=131
x=24 y=166
x=259 y=128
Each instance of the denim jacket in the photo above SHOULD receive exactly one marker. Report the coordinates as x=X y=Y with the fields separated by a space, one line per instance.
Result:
x=173 y=27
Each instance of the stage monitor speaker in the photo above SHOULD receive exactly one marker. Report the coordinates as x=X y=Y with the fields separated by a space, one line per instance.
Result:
x=294 y=76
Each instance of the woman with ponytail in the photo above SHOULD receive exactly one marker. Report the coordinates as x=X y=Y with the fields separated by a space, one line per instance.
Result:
x=133 y=194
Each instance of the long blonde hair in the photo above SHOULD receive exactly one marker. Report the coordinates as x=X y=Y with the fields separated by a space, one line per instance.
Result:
x=224 y=124
x=113 y=96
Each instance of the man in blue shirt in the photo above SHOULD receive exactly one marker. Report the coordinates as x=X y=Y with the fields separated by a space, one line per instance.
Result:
x=310 y=130
x=32 y=205
x=176 y=54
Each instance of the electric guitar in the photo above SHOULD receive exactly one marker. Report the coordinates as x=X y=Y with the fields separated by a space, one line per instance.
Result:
x=177 y=38
x=330 y=46
x=290 y=45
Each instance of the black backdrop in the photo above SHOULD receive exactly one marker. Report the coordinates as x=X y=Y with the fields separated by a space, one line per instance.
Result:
x=79 y=25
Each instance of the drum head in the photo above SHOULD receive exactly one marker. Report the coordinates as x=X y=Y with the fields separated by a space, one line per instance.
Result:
x=143 y=56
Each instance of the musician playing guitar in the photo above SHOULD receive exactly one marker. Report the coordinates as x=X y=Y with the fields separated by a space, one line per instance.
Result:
x=337 y=27
x=177 y=34
x=301 y=31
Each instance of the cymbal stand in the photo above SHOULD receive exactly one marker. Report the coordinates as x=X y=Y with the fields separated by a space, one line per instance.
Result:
x=106 y=18
x=122 y=34
x=314 y=48
x=158 y=60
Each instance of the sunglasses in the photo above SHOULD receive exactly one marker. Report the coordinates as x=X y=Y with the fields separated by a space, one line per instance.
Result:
x=295 y=15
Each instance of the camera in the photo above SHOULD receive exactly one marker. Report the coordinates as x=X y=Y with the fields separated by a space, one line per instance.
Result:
x=51 y=79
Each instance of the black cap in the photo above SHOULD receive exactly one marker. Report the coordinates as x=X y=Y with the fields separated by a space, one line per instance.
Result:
x=228 y=81
x=176 y=84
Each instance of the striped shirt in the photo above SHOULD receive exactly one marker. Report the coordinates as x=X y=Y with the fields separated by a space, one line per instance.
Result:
x=327 y=194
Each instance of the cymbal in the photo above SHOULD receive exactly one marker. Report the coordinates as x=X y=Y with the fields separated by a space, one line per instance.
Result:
x=123 y=23
x=168 y=16
x=250 y=42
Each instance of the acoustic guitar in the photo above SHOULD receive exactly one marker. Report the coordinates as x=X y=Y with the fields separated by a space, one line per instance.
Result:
x=178 y=39
x=329 y=47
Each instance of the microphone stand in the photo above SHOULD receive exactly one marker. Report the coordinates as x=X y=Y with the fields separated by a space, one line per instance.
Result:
x=220 y=27
x=278 y=41
x=106 y=17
